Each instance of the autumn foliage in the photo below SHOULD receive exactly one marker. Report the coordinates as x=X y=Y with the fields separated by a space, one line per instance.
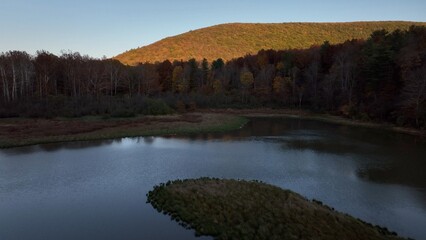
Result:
x=380 y=79
x=228 y=41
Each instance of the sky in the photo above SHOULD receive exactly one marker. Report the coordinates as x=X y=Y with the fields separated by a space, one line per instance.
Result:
x=108 y=27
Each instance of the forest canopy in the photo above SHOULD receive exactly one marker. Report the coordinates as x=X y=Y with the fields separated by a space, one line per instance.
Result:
x=233 y=40
x=382 y=78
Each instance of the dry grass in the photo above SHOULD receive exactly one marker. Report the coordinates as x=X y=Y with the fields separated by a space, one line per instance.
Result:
x=231 y=209
x=21 y=132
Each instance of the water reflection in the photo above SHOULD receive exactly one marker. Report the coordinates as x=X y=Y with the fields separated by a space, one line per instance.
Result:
x=54 y=147
x=392 y=157
x=407 y=168
x=330 y=146
x=96 y=190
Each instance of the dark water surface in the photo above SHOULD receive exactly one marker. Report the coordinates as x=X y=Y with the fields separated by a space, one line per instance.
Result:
x=97 y=190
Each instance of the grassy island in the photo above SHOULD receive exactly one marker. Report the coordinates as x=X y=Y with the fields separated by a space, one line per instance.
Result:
x=234 y=209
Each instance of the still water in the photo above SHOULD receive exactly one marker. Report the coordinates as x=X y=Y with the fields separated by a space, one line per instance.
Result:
x=97 y=190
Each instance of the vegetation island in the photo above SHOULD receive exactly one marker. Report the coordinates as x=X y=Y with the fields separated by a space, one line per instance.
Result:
x=236 y=209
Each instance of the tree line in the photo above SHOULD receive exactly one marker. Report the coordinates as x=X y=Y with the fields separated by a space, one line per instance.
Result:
x=382 y=78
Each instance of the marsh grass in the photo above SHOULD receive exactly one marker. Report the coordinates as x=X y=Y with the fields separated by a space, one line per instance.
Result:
x=23 y=132
x=234 y=209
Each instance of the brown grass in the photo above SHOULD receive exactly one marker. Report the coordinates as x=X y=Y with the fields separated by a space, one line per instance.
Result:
x=231 y=209
x=20 y=132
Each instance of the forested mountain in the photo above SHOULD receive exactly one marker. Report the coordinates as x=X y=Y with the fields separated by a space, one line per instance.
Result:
x=228 y=41
x=381 y=78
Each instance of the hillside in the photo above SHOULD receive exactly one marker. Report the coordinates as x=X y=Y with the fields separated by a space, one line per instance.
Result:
x=233 y=40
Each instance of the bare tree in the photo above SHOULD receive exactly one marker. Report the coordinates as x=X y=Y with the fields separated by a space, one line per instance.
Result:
x=115 y=75
x=16 y=70
x=72 y=63
x=345 y=68
x=4 y=78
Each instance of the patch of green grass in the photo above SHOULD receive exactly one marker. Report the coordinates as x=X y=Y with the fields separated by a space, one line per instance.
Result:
x=233 y=209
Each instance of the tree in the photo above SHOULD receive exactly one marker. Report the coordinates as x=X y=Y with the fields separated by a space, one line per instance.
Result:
x=72 y=72
x=179 y=83
x=217 y=86
x=296 y=84
x=114 y=68
x=278 y=86
x=191 y=74
x=326 y=56
x=379 y=71
x=165 y=71
x=217 y=69
x=45 y=70
x=4 y=78
x=414 y=95
x=16 y=72
x=150 y=79
x=346 y=71
x=218 y=64
x=96 y=73
x=247 y=80
x=311 y=74
x=280 y=68
x=204 y=72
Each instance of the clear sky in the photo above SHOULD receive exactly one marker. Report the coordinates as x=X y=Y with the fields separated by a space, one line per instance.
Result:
x=109 y=27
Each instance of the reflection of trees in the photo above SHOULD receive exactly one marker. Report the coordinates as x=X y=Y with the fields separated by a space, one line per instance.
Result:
x=397 y=173
x=403 y=163
x=76 y=145
x=325 y=146
x=149 y=140
x=53 y=147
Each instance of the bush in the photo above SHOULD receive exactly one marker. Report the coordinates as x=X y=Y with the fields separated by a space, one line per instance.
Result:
x=180 y=106
x=192 y=106
x=123 y=113
x=156 y=107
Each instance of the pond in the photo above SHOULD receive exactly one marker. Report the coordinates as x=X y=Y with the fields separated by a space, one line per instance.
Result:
x=97 y=190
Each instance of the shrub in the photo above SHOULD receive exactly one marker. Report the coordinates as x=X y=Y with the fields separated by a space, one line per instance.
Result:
x=180 y=106
x=192 y=106
x=123 y=113
x=156 y=107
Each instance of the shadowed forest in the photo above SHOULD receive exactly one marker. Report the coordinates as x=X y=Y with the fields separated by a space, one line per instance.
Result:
x=382 y=78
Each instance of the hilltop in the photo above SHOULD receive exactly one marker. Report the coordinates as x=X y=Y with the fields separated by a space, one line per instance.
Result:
x=233 y=40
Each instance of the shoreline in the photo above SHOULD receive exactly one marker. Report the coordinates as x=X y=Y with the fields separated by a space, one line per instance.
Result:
x=27 y=132
x=19 y=132
x=302 y=114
